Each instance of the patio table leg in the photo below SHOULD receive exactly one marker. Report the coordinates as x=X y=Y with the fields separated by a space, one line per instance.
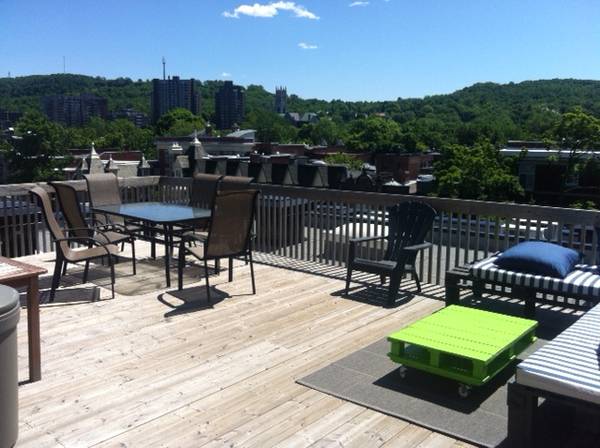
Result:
x=33 y=330
x=166 y=229
x=152 y=235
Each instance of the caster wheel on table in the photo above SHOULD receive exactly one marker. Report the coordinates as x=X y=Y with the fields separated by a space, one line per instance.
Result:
x=464 y=390
x=402 y=372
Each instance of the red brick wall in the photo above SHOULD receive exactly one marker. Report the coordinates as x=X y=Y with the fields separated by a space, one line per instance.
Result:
x=404 y=167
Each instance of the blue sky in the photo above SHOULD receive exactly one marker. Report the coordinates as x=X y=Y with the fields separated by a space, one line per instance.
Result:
x=369 y=51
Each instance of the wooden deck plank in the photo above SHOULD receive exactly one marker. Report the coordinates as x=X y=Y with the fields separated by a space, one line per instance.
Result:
x=411 y=436
x=369 y=428
x=126 y=373
x=268 y=381
x=435 y=440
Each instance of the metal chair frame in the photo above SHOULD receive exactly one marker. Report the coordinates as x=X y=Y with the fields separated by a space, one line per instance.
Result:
x=245 y=252
x=63 y=243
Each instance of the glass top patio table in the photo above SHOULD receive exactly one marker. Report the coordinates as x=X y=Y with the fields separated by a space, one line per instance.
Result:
x=156 y=212
x=161 y=214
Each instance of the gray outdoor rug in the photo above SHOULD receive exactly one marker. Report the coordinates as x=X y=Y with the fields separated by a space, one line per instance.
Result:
x=368 y=378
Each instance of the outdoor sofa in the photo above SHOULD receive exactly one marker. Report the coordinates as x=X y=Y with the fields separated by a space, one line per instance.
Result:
x=579 y=289
x=566 y=369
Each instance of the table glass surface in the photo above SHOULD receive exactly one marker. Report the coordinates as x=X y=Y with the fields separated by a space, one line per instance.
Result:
x=157 y=212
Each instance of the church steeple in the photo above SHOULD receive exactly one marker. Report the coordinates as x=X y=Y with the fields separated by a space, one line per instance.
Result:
x=95 y=165
x=280 y=100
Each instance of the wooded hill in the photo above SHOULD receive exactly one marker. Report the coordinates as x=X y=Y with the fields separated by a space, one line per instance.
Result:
x=516 y=110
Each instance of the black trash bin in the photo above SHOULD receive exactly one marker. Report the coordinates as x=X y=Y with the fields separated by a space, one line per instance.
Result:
x=9 y=381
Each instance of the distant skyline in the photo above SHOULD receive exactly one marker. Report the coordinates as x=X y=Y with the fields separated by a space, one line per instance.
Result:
x=327 y=49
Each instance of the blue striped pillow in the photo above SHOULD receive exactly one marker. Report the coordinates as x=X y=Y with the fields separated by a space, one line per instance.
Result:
x=539 y=257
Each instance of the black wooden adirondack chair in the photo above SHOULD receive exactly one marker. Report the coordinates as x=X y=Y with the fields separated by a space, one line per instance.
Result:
x=408 y=224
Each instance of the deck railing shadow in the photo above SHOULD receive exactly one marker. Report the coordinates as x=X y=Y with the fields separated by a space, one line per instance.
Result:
x=365 y=287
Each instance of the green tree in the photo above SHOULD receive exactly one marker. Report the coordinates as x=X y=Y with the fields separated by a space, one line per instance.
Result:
x=121 y=134
x=577 y=129
x=479 y=172
x=578 y=134
x=179 y=122
x=5 y=146
x=541 y=122
x=36 y=154
x=352 y=163
x=324 y=132
x=584 y=205
x=374 y=134
x=270 y=127
x=590 y=173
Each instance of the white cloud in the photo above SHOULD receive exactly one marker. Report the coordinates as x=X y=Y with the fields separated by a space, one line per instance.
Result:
x=225 y=75
x=306 y=46
x=353 y=4
x=270 y=10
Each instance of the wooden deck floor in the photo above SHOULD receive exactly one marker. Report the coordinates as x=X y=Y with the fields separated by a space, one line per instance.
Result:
x=161 y=369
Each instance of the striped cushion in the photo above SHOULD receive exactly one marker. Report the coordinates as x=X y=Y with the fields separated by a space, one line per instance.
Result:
x=583 y=280
x=569 y=364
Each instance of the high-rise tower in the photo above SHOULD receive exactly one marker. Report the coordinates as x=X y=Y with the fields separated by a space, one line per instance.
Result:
x=74 y=110
x=229 y=105
x=172 y=93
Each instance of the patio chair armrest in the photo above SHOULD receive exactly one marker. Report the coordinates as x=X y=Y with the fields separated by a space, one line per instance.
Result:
x=71 y=230
x=103 y=227
x=82 y=239
x=103 y=233
x=188 y=235
x=94 y=214
x=91 y=231
x=418 y=247
x=97 y=224
x=78 y=239
x=118 y=227
x=365 y=239
x=183 y=228
x=183 y=239
x=355 y=241
x=108 y=218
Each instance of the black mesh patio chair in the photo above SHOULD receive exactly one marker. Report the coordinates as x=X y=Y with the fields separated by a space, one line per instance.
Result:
x=103 y=189
x=408 y=224
x=65 y=253
x=235 y=183
x=78 y=226
x=228 y=235
x=202 y=194
x=204 y=188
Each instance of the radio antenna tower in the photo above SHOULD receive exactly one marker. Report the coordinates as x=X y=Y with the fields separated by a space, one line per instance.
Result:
x=164 y=70
x=64 y=65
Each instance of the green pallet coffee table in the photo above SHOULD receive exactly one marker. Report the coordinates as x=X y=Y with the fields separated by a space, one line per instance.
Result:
x=464 y=344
